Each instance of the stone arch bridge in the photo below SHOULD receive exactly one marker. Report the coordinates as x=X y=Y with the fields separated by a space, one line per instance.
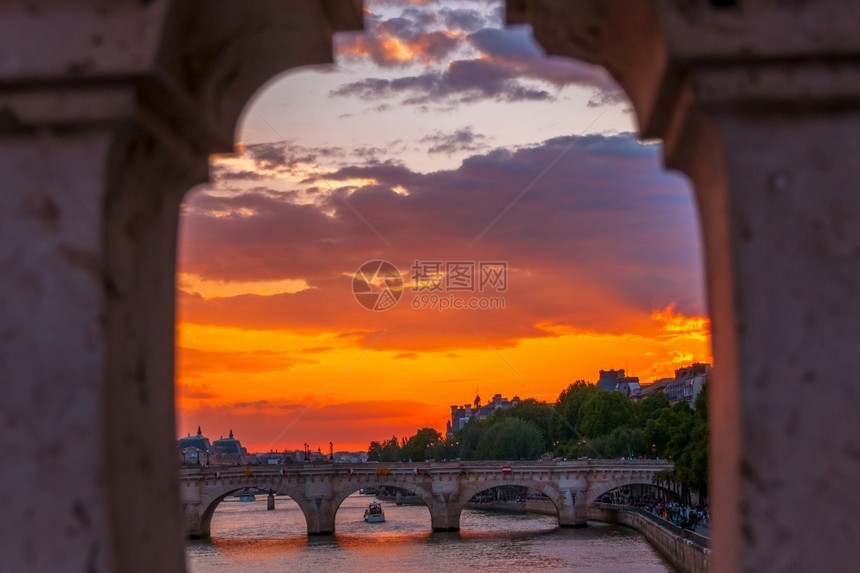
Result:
x=445 y=487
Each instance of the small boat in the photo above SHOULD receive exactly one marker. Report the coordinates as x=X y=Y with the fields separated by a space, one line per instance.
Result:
x=374 y=513
x=247 y=497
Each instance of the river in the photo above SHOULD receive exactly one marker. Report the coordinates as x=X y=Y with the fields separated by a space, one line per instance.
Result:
x=248 y=538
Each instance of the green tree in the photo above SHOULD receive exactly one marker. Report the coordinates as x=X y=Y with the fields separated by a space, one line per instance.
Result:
x=530 y=410
x=510 y=439
x=691 y=464
x=651 y=406
x=602 y=412
x=390 y=451
x=374 y=452
x=420 y=446
x=568 y=406
x=446 y=449
x=469 y=436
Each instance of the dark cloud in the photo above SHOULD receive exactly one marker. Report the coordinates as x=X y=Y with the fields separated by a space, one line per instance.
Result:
x=464 y=81
x=454 y=142
x=508 y=65
x=598 y=242
x=464 y=19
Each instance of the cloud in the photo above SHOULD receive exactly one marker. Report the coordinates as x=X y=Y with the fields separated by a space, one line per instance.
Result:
x=597 y=243
x=193 y=362
x=348 y=425
x=454 y=142
x=481 y=62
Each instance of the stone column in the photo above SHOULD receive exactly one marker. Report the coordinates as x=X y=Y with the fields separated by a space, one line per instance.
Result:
x=318 y=504
x=572 y=508
x=108 y=113
x=759 y=103
x=196 y=526
x=445 y=515
x=319 y=513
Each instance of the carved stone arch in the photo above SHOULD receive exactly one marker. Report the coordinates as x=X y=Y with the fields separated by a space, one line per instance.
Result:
x=758 y=103
x=109 y=114
x=545 y=488
x=210 y=502
x=347 y=488
x=595 y=493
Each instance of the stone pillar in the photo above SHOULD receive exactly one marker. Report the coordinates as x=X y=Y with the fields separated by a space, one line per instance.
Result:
x=318 y=505
x=759 y=103
x=445 y=516
x=270 y=502
x=196 y=526
x=319 y=513
x=572 y=508
x=108 y=114
x=445 y=502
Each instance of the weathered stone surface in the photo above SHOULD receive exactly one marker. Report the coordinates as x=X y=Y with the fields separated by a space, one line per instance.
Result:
x=108 y=113
x=759 y=104
x=446 y=487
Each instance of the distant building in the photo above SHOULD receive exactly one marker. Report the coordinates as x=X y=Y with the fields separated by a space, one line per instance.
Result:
x=688 y=383
x=684 y=387
x=229 y=446
x=198 y=449
x=616 y=381
x=194 y=449
x=460 y=415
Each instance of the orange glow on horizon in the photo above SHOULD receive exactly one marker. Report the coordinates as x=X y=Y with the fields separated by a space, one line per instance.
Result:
x=281 y=389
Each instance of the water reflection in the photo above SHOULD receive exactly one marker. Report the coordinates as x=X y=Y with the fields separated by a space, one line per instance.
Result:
x=246 y=537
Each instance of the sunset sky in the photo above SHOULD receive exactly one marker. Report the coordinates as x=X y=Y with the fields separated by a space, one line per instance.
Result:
x=438 y=136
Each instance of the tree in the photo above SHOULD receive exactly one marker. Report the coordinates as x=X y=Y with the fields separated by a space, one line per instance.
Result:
x=469 y=436
x=602 y=412
x=510 y=439
x=374 y=452
x=651 y=406
x=530 y=410
x=389 y=450
x=568 y=407
x=421 y=444
x=691 y=465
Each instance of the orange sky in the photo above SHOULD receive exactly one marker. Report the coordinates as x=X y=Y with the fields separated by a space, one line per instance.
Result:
x=409 y=159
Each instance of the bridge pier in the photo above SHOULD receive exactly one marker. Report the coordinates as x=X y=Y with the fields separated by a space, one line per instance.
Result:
x=572 y=509
x=320 y=516
x=196 y=525
x=445 y=516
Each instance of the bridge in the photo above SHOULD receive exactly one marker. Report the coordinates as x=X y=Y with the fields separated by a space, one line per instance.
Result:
x=445 y=487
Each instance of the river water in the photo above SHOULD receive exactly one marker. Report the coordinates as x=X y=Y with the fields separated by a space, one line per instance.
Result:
x=248 y=538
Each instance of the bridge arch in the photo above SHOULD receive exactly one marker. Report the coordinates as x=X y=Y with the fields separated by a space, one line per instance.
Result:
x=346 y=489
x=669 y=494
x=595 y=492
x=546 y=488
x=208 y=504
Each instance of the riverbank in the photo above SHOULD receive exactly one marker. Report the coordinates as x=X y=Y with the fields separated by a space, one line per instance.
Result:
x=538 y=506
x=685 y=550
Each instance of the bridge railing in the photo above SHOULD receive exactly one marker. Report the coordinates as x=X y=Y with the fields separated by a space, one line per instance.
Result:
x=691 y=536
x=396 y=467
